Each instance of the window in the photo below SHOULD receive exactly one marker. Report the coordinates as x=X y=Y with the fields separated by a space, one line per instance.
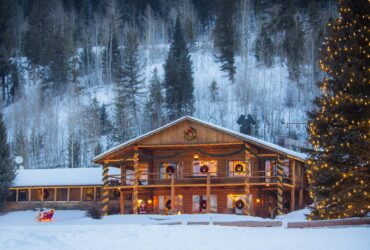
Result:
x=48 y=194
x=201 y=168
x=162 y=203
x=36 y=194
x=166 y=168
x=286 y=167
x=238 y=168
x=62 y=194
x=74 y=194
x=98 y=194
x=143 y=174
x=200 y=203
x=23 y=195
x=270 y=170
x=236 y=203
x=11 y=196
x=88 y=194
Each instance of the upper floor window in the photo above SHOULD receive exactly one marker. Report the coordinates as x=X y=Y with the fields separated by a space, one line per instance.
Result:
x=168 y=168
x=238 y=168
x=202 y=168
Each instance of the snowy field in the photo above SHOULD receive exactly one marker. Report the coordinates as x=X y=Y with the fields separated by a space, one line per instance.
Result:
x=71 y=230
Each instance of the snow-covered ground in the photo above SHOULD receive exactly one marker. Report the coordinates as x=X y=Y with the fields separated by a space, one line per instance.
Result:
x=71 y=230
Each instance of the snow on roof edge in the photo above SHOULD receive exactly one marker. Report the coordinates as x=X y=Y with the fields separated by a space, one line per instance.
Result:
x=249 y=138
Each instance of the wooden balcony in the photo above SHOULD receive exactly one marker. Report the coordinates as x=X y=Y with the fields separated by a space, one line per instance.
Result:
x=259 y=178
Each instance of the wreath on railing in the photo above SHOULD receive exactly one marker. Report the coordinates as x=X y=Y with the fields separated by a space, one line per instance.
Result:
x=239 y=168
x=204 y=169
x=170 y=170
x=239 y=204
x=168 y=204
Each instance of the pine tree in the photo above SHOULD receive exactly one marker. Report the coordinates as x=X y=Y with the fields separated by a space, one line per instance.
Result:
x=131 y=80
x=214 y=91
x=21 y=146
x=178 y=79
x=154 y=107
x=339 y=170
x=225 y=37
x=122 y=124
x=116 y=59
x=7 y=169
x=74 y=151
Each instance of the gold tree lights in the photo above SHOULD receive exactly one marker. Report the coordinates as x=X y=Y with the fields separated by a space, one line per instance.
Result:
x=339 y=128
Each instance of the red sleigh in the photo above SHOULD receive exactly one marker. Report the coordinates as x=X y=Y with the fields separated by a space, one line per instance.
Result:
x=45 y=216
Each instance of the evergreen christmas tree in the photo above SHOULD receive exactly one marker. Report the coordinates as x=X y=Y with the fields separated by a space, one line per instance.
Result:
x=178 y=79
x=7 y=169
x=338 y=166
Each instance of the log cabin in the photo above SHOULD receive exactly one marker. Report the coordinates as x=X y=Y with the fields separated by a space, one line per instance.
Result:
x=192 y=166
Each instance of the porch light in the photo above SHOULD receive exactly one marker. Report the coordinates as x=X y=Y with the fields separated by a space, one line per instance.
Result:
x=196 y=156
x=258 y=200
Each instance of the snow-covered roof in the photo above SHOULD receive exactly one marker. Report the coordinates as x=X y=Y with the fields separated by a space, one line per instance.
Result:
x=60 y=177
x=248 y=138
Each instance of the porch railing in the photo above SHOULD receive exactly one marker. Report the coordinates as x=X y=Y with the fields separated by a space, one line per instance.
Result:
x=164 y=179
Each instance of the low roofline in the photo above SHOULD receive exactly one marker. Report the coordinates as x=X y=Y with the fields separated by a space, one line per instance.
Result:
x=267 y=145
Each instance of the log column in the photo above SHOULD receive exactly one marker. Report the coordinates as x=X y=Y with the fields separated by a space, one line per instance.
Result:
x=105 y=190
x=173 y=193
x=280 y=186
x=248 y=172
x=292 y=192
x=135 y=192
x=208 y=194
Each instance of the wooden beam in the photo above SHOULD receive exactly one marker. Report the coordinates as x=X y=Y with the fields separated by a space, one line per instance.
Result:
x=42 y=194
x=292 y=192
x=55 y=194
x=300 y=203
x=16 y=195
x=267 y=155
x=81 y=194
x=29 y=194
x=208 y=194
x=292 y=199
x=122 y=202
x=94 y=194
x=248 y=173
x=173 y=193
x=280 y=187
x=135 y=193
x=68 y=194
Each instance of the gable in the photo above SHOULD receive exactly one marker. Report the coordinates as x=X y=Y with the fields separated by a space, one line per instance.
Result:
x=176 y=135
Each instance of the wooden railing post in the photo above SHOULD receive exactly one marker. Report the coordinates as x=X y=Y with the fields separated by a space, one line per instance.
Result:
x=55 y=194
x=247 y=158
x=29 y=194
x=16 y=195
x=122 y=202
x=172 y=193
x=135 y=192
x=105 y=190
x=280 y=186
x=208 y=194
x=292 y=194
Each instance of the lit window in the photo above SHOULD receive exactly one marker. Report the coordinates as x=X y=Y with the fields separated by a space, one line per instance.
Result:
x=201 y=168
x=167 y=168
x=200 y=203
x=236 y=203
x=238 y=168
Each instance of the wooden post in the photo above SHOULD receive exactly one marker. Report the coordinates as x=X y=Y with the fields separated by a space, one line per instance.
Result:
x=16 y=195
x=68 y=196
x=280 y=186
x=29 y=194
x=94 y=194
x=173 y=193
x=135 y=192
x=105 y=190
x=122 y=202
x=248 y=172
x=292 y=194
x=300 y=198
x=55 y=194
x=208 y=194
x=81 y=193
x=42 y=194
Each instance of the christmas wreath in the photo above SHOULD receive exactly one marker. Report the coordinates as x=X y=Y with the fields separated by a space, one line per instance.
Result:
x=239 y=204
x=190 y=134
x=168 y=204
x=170 y=170
x=204 y=169
x=239 y=168
x=203 y=204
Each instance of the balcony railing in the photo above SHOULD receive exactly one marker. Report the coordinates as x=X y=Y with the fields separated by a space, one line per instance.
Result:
x=222 y=178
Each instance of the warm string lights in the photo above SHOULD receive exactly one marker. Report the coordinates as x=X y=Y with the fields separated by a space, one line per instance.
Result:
x=338 y=168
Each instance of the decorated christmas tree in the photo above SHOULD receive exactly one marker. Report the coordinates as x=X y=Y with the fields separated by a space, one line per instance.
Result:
x=339 y=127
